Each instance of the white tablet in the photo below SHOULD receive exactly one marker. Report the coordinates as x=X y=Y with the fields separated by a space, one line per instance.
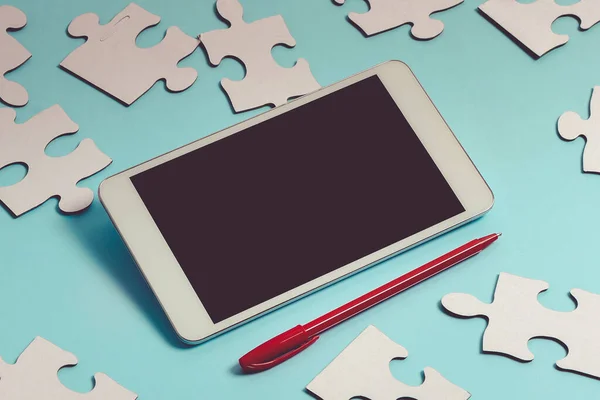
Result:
x=257 y=215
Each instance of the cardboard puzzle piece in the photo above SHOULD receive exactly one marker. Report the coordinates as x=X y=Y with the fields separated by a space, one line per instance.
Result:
x=515 y=316
x=46 y=176
x=362 y=371
x=571 y=126
x=531 y=23
x=34 y=377
x=266 y=82
x=111 y=61
x=384 y=15
x=12 y=56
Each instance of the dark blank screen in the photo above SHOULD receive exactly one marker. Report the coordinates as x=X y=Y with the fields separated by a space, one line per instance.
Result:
x=286 y=201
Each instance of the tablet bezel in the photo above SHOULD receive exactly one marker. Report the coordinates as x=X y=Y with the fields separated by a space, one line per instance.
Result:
x=167 y=279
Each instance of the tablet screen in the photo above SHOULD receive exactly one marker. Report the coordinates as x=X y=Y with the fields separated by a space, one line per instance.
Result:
x=274 y=206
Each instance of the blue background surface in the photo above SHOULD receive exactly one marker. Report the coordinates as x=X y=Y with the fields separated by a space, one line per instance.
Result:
x=71 y=280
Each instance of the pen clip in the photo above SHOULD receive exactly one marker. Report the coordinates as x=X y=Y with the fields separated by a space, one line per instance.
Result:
x=263 y=366
x=277 y=350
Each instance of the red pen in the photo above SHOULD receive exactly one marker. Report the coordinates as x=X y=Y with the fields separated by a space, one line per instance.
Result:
x=288 y=344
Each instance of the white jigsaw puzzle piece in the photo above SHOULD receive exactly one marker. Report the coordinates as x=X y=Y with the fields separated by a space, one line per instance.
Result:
x=34 y=377
x=362 y=370
x=531 y=23
x=266 y=82
x=46 y=176
x=571 y=126
x=515 y=317
x=12 y=55
x=111 y=60
x=384 y=15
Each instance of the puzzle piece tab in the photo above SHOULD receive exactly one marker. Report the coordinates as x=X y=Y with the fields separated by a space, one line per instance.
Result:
x=531 y=23
x=571 y=126
x=111 y=61
x=362 y=370
x=515 y=316
x=384 y=15
x=266 y=82
x=46 y=176
x=12 y=55
x=34 y=377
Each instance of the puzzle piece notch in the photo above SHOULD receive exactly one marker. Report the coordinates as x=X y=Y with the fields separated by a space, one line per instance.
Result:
x=571 y=126
x=266 y=82
x=111 y=60
x=384 y=15
x=46 y=176
x=362 y=370
x=531 y=23
x=34 y=376
x=515 y=316
x=12 y=55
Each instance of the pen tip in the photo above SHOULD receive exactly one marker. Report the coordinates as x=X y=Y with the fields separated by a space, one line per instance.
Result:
x=499 y=234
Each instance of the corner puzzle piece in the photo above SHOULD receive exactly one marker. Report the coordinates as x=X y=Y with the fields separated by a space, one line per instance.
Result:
x=12 y=55
x=384 y=15
x=571 y=126
x=515 y=317
x=362 y=370
x=46 y=176
x=34 y=377
x=531 y=23
x=266 y=82
x=111 y=61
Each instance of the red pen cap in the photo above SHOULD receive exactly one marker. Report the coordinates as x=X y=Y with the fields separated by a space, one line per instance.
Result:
x=277 y=350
